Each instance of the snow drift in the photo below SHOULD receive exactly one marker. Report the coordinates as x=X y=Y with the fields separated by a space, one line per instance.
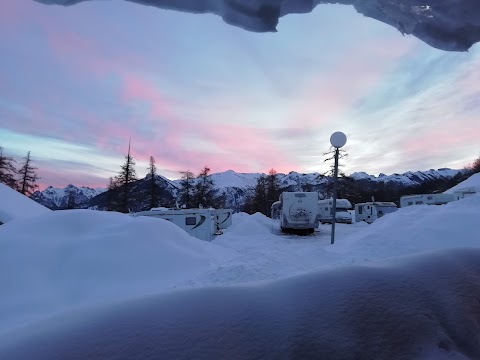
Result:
x=422 y=307
x=444 y=24
x=70 y=258
x=14 y=205
x=473 y=183
x=415 y=229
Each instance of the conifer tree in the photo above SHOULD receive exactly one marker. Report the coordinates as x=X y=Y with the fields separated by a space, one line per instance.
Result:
x=186 y=192
x=28 y=177
x=7 y=170
x=112 y=195
x=273 y=188
x=152 y=189
x=329 y=157
x=124 y=180
x=204 y=189
x=260 y=202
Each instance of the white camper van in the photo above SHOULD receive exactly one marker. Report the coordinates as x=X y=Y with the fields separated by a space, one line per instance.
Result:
x=325 y=210
x=200 y=223
x=371 y=211
x=299 y=212
x=223 y=218
x=428 y=199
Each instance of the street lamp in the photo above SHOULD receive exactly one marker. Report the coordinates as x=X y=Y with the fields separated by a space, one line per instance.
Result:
x=338 y=140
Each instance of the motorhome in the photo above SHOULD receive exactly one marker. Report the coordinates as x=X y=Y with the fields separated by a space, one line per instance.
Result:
x=427 y=199
x=200 y=223
x=223 y=218
x=298 y=212
x=371 y=211
x=325 y=210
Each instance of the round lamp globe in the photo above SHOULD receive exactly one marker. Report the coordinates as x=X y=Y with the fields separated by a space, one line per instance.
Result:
x=338 y=139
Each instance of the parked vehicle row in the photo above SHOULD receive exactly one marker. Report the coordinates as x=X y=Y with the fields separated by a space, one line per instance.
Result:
x=204 y=224
x=296 y=212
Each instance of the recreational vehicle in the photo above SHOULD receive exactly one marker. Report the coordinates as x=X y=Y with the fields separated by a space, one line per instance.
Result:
x=299 y=212
x=371 y=211
x=428 y=199
x=200 y=223
x=325 y=210
x=223 y=218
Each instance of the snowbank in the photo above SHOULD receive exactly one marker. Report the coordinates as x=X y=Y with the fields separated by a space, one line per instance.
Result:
x=77 y=257
x=415 y=229
x=423 y=307
x=472 y=182
x=244 y=224
x=14 y=205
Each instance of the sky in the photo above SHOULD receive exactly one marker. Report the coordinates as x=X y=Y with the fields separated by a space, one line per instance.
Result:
x=76 y=83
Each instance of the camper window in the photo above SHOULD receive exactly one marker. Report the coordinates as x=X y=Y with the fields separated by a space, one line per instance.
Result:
x=410 y=203
x=191 y=220
x=360 y=210
x=430 y=198
x=326 y=209
x=418 y=202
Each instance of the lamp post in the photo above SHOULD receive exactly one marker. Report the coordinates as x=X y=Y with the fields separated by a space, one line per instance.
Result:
x=338 y=140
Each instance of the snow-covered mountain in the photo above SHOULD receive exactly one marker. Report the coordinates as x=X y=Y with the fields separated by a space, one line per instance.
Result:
x=409 y=178
x=235 y=187
x=58 y=198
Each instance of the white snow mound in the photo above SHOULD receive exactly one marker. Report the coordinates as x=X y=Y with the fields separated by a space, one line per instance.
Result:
x=14 y=205
x=415 y=229
x=76 y=257
x=472 y=182
x=250 y=225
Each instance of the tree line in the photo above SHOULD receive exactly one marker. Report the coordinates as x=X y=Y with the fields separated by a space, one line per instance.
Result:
x=199 y=190
x=22 y=178
x=196 y=191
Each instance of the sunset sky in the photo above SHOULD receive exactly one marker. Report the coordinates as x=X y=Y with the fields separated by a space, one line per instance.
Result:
x=77 y=82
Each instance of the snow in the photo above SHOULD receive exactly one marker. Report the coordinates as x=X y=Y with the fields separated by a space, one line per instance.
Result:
x=408 y=178
x=264 y=15
x=425 y=307
x=472 y=182
x=58 y=197
x=89 y=284
x=14 y=205
x=231 y=178
x=64 y=259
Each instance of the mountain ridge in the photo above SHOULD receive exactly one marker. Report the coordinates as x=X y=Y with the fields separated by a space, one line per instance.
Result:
x=234 y=187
